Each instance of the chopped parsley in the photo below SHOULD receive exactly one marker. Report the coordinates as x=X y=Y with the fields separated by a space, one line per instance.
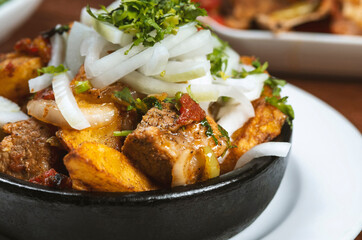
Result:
x=82 y=86
x=56 y=30
x=281 y=104
x=53 y=70
x=141 y=106
x=124 y=133
x=3 y=1
x=150 y=20
x=218 y=59
x=259 y=68
x=209 y=132
x=274 y=84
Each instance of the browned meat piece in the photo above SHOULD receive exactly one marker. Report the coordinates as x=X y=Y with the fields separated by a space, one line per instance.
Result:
x=264 y=127
x=15 y=71
x=25 y=153
x=168 y=152
x=53 y=179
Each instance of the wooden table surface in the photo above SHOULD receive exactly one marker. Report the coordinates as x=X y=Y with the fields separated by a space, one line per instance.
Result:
x=345 y=95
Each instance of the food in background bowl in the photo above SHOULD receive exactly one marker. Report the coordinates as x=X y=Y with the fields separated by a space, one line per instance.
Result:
x=339 y=16
x=129 y=102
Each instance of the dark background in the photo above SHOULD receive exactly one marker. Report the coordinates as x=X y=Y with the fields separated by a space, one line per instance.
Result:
x=343 y=94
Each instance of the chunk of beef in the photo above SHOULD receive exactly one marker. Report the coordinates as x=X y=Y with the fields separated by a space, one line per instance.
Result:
x=168 y=152
x=26 y=153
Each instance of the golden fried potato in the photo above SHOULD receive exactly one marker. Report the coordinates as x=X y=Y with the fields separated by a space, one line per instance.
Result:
x=104 y=135
x=15 y=71
x=265 y=126
x=96 y=167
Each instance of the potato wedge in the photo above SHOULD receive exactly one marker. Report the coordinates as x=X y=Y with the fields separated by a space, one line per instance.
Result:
x=96 y=167
x=71 y=139
x=15 y=71
x=264 y=127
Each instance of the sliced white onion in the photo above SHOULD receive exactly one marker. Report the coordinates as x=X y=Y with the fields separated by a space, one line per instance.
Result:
x=149 y=85
x=73 y=58
x=11 y=117
x=98 y=115
x=114 y=5
x=157 y=63
x=114 y=59
x=233 y=60
x=202 y=51
x=8 y=106
x=184 y=71
x=10 y=112
x=192 y=43
x=39 y=83
x=112 y=33
x=124 y=68
x=205 y=80
x=236 y=112
x=58 y=50
x=278 y=149
x=67 y=104
x=179 y=176
x=93 y=48
x=251 y=86
x=85 y=18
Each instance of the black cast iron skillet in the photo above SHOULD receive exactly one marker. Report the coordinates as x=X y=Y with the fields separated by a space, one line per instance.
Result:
x=216 y=209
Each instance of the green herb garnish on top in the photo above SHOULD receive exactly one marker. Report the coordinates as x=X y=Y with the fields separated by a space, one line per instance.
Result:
x=281 y=104
x=218 y=59
x=259 y=68
x=150 y=20
x=3 y=1
x=141 y=106
x=53 y=70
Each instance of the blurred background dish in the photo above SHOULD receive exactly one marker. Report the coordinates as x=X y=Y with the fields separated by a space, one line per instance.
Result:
x=13 y=13
x=318 y=54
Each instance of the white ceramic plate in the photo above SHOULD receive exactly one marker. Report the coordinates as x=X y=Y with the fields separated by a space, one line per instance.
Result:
x=296 y=52
x=321 y=195
x=13 y=14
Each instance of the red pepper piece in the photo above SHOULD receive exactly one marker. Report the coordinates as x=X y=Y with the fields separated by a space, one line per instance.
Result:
x=46 y=94
x=190 y=111
x=53 y=179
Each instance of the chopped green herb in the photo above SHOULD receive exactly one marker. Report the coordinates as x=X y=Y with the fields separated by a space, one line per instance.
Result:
x=224 y=133
x=152 y=102
x=141 y=106
x=53 y=70
x=82 y=86
x=274 y=83
x=218 y=59
x=259 y=68
x=150 y=20
x=122 y=133
x=282 y=105
x=3 y=1
x=209 y=131
x=55 y=30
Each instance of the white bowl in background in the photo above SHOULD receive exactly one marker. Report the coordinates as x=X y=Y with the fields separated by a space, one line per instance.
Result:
x=13 y=14
x=297 y=52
